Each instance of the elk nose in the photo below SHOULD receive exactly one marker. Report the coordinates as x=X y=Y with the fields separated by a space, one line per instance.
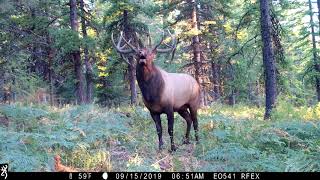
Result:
x=142 y=61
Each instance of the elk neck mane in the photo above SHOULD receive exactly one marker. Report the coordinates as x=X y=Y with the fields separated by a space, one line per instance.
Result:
x=151 y=82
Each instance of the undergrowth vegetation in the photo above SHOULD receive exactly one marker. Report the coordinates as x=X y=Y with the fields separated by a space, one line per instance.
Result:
x=91 y=138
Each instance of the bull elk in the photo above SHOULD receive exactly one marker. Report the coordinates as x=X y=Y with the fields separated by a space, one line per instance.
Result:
x=164 y=92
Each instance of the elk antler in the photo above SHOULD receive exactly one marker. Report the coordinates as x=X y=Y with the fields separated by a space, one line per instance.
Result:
x=149 y=39
x=120 y=48
x=125 y=59
x=170 y=47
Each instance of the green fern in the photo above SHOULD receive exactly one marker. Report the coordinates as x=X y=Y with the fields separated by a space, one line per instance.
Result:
x=84 y=135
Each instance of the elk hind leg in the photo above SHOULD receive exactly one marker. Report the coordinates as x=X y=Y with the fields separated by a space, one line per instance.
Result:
x=186 y=115
x=194 y=113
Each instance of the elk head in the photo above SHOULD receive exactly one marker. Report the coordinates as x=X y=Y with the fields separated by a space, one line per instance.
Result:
x=145 y=55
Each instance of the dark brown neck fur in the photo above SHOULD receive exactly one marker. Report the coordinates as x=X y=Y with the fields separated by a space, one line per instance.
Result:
x=150 y=82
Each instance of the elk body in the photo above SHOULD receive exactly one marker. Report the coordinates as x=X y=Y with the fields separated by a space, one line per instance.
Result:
x=165 y=92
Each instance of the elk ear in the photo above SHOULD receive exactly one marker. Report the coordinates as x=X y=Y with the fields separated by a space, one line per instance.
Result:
x=154 y=51
x=153 y=54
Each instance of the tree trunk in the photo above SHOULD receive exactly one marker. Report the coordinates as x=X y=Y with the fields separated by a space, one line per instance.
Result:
x=196 y=47
x=76 y=54
x=232 y=98
x=314 y=48
x=50 y=70
x=268 y=58
x=50 y=54
x=318 y=3
x=132 y=80
x=195 y=42
x=34 y=57
x=89 y=71
x=230 y=78
x=215 y=79
x=128 y=34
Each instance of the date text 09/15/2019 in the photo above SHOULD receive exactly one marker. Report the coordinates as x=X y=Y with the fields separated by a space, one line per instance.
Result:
x=187 y=176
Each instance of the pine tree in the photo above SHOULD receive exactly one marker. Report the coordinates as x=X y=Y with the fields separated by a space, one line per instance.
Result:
x=314 y=50
x=76 y=54
x=268 y=58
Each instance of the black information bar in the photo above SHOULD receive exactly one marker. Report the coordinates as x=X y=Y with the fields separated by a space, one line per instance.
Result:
x=159 y=175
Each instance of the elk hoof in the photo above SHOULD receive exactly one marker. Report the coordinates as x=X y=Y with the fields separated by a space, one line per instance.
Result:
x=186 y=141
x=161 y=147
x=173 y=148
x=197 y=139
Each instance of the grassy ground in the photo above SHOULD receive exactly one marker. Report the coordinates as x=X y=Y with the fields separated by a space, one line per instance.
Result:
x=97 y=139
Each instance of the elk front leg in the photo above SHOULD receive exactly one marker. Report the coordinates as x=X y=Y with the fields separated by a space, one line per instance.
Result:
x=170 y=117
x=157 y=121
